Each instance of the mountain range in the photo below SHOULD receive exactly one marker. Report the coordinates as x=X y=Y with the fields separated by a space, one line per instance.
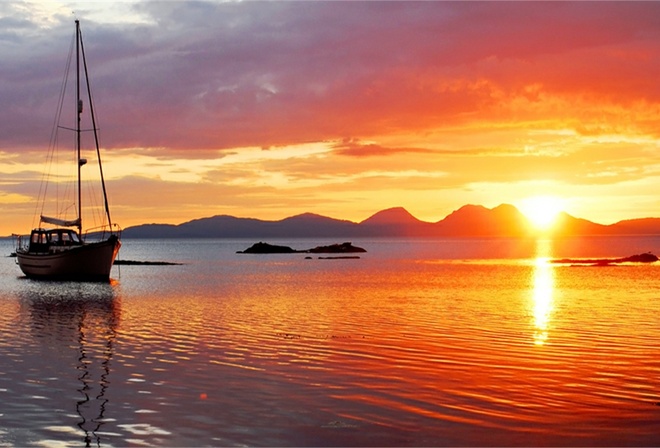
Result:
x=468 y=221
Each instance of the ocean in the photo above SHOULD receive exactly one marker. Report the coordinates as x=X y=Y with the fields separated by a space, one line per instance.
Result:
x=419 y=342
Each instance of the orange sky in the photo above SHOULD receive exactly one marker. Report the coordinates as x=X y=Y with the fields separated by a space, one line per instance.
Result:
x=268 y=110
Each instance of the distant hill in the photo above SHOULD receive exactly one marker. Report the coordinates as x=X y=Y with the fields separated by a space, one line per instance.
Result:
x=395 y=221
x=311 y=225
x=645 y=226
x=570 y=225
x=224 y=226
x=468 y=221
x=476 y=220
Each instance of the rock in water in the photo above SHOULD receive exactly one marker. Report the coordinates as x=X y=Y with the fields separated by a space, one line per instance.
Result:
x=265 y=248
x=647 y=257
x=343 y=248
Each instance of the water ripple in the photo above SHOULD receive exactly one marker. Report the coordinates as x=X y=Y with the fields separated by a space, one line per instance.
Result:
x=292 y=352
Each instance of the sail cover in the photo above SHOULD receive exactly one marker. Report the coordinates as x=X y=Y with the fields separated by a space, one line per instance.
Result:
x=60 y=222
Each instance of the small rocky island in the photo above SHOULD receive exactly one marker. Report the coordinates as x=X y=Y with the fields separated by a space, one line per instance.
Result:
x=265 y=248
x=647 y=257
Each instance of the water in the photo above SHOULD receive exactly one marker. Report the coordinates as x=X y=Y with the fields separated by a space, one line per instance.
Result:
x=417 y=343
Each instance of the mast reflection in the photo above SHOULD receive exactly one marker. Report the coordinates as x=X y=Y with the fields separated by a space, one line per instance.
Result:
x=542 y=292
x=84 y=316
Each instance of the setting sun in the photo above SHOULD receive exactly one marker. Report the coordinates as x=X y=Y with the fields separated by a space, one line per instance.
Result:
x=542 y=211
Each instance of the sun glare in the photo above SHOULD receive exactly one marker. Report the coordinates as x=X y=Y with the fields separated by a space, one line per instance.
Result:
x=542 y=211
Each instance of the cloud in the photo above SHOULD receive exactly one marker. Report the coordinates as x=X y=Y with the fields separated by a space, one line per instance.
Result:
x=356 y=149
x=211 y=75
x=420 y=95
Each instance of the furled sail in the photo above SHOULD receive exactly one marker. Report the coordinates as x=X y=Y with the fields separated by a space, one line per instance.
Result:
x=60 y=222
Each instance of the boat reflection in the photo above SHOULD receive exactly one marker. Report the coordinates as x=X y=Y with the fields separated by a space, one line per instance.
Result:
x=542 y=292
x=83 y=316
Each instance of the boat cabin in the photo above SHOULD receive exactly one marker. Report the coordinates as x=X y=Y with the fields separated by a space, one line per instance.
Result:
x=42 y=240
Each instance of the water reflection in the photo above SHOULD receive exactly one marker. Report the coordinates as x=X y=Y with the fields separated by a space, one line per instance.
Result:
x=85 y=317
x=543 y=289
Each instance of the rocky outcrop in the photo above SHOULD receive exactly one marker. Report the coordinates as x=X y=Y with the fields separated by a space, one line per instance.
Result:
x=343 y=248
x=265 y=248
x=647 y=257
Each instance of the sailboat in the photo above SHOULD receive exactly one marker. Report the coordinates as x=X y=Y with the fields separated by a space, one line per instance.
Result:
x=63 y=251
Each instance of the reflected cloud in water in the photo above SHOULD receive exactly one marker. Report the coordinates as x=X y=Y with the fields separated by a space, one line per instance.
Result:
x=85 y=317
x=543 y=291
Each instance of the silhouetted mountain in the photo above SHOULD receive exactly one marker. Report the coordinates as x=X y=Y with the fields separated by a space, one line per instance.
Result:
x=569 y=225
x=152 y=231
x=468 y=221
x=224 y=226
x=643 y=226
x=395 y=215
x=311 y=225
x=395 y=221
x=476 y=220
x=214 y=227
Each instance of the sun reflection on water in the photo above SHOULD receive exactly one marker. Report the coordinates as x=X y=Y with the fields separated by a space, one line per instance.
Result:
x=542 y=293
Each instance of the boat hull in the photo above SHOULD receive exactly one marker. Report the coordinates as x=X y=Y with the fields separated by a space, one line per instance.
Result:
x=87 y=262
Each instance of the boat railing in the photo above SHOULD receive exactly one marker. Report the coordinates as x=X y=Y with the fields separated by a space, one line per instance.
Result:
x=101 y=233
x=19 y=242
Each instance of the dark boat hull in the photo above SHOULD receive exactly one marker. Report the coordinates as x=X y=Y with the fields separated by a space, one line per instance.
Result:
x=87 y=262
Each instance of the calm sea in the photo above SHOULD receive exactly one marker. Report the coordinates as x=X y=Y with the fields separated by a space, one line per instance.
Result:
x=416 y=343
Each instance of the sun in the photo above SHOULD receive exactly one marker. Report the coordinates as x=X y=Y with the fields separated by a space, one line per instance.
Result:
x=542 y=211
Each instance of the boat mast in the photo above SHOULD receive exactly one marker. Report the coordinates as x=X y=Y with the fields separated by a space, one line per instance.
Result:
x=96 y=135
x=79 y=114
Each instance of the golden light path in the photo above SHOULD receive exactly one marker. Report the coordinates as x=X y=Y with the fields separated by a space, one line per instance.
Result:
x=543 y=289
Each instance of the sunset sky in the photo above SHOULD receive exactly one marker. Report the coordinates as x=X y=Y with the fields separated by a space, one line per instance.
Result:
x=272 y=109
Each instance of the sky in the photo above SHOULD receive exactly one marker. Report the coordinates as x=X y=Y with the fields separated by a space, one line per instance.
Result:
x=343 y=108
